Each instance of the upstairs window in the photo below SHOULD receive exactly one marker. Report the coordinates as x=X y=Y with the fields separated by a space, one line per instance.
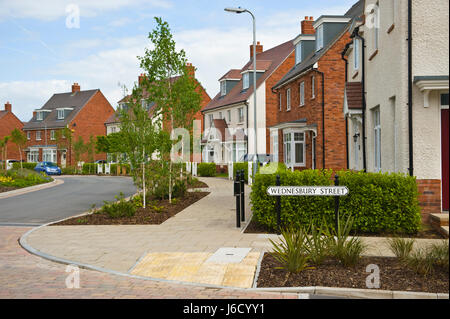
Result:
x=319 y=38
x=376 y=27
x=377 y=139
x=39 y=116
x=313 y=87
x=211 y=120
x=280 y=101
x=220 y=115
x=223 y=88
x=298 y=53
x=60 y=114
x=241 y=114
x=356 y=54
x=52 y=135
x=245 y=81
x=229 y=116
x=38 y=135
x=288 y=99
x=302 y=93
x=28 y=136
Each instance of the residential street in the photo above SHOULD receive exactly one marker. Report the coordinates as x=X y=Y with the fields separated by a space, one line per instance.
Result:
x=75 y=196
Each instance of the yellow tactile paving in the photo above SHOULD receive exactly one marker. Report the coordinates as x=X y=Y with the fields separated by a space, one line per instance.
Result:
x=192 y=267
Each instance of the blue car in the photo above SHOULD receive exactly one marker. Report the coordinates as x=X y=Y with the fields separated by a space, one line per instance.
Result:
x=48 y=168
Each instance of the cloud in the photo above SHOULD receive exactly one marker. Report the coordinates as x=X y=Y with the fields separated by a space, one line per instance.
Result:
x=48 y=10
x=26 y=96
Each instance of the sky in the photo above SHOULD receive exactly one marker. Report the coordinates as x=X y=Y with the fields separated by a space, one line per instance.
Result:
x=47 y=45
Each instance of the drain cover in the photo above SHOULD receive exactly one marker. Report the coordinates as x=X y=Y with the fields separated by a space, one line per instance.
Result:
x=228 y=255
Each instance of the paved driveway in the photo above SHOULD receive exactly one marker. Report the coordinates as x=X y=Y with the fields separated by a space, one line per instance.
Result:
x=75 y=196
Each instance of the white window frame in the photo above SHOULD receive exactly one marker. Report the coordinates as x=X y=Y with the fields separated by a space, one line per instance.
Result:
x=376 y=28
x=241 y=115
x=291 y=145
x=38 y=136
x=356 y=54
x=223 y=88
x=245 y=81
x=59 y=116
x=49 y=155
x=211 y=120
x=220 y=116
x=274 y=137
x=288 y=99
x=302 y=93
x=377 y=138
x=229 y=116
x=39 y=116
x=280 y=100
x=313 y=87
x=319 y=39
x=28 y=135
x=33 y=155
x=52 y=135
x=298 y=53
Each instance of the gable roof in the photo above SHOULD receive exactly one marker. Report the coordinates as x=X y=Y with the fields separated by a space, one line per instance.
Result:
x=355 y=11
x=233 y=74
x=75 y=100
x=270 y=60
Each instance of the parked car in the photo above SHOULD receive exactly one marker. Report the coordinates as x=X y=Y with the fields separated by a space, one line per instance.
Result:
x=48 y=167
x=261 y=158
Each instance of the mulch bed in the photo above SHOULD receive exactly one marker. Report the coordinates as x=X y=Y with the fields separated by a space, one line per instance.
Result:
x=428 y=232
x=143 y=216
x=393 y=276
x=198 y=184
x=7 y=188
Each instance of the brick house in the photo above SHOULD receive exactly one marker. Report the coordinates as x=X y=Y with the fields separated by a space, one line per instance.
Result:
x=112 y=123
x=399 y=53
x=230 y=112
x=310 y=131
x=84 y=112
x=8 y=122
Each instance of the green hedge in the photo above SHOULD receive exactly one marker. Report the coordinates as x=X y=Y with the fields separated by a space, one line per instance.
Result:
x=26 y=165
x=206 y=169
x=379 y=202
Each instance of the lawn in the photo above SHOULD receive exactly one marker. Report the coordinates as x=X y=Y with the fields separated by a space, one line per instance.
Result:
x=17 y=178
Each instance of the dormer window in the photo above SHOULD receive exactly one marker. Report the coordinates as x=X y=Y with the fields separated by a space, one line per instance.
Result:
x=298 y=53
x=319 y=39
x=245 y=81
x=223 y=88
x=60 y=114
x=39 y=116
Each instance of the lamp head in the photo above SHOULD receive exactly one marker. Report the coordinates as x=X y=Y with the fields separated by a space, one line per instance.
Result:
x=235 y=10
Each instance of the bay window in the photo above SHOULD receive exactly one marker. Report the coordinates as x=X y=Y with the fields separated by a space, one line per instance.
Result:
x=294 y=148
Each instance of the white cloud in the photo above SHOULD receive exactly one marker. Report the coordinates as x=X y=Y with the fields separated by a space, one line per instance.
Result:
x=26 y=96
x=53 y=9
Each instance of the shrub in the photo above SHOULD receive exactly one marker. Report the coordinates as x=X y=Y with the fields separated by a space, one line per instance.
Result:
x=206 y=169
x=89 y=169
x=401 y=247
x=379 y=202
x=421 y=261
x=24 y=178
x=122 y=208
x=318 y=243
x=345 y=249
x=27 y=165
x=440 y=254
x=69 y=170
x=292 y=251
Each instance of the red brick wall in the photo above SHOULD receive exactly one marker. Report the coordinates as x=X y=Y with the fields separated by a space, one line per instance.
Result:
x=429 y=197
x=333 y=68
x=8 y=123
x=91 y=121
x=272 y=105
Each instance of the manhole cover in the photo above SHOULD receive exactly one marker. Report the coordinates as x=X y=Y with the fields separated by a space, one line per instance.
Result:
x=228 y=255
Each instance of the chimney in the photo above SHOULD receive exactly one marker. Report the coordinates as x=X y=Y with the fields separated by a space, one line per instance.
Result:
x=141 y=78
x=75 y=88
x=259 y=49
x=191 y=69
x=307 y=26
x=8 y=107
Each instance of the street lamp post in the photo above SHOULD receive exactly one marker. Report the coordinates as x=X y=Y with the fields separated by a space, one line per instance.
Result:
x=241 y=10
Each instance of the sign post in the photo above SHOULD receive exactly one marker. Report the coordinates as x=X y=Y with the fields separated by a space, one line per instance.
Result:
x=242 y=181
x=237 y=194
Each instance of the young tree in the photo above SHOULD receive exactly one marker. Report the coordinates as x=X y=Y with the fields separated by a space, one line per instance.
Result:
x=20 y=139
x=4 y=148
x=64 y=138
x=169 y=84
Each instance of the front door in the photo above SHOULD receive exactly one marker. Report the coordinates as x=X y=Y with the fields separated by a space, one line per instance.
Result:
x=445 y=162
x=63 y=159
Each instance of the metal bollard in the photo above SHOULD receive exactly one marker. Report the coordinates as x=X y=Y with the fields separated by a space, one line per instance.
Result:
x=336 y=205
x=242 y=181
x=237 y=194
x=278 y=207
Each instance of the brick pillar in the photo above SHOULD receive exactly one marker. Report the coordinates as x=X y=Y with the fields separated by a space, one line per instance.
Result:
x=429 y=197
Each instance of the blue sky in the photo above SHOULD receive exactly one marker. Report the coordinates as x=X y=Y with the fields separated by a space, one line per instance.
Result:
x=40 y=55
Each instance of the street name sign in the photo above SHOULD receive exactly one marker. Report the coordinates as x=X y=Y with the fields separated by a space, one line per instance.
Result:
x=307 y=190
